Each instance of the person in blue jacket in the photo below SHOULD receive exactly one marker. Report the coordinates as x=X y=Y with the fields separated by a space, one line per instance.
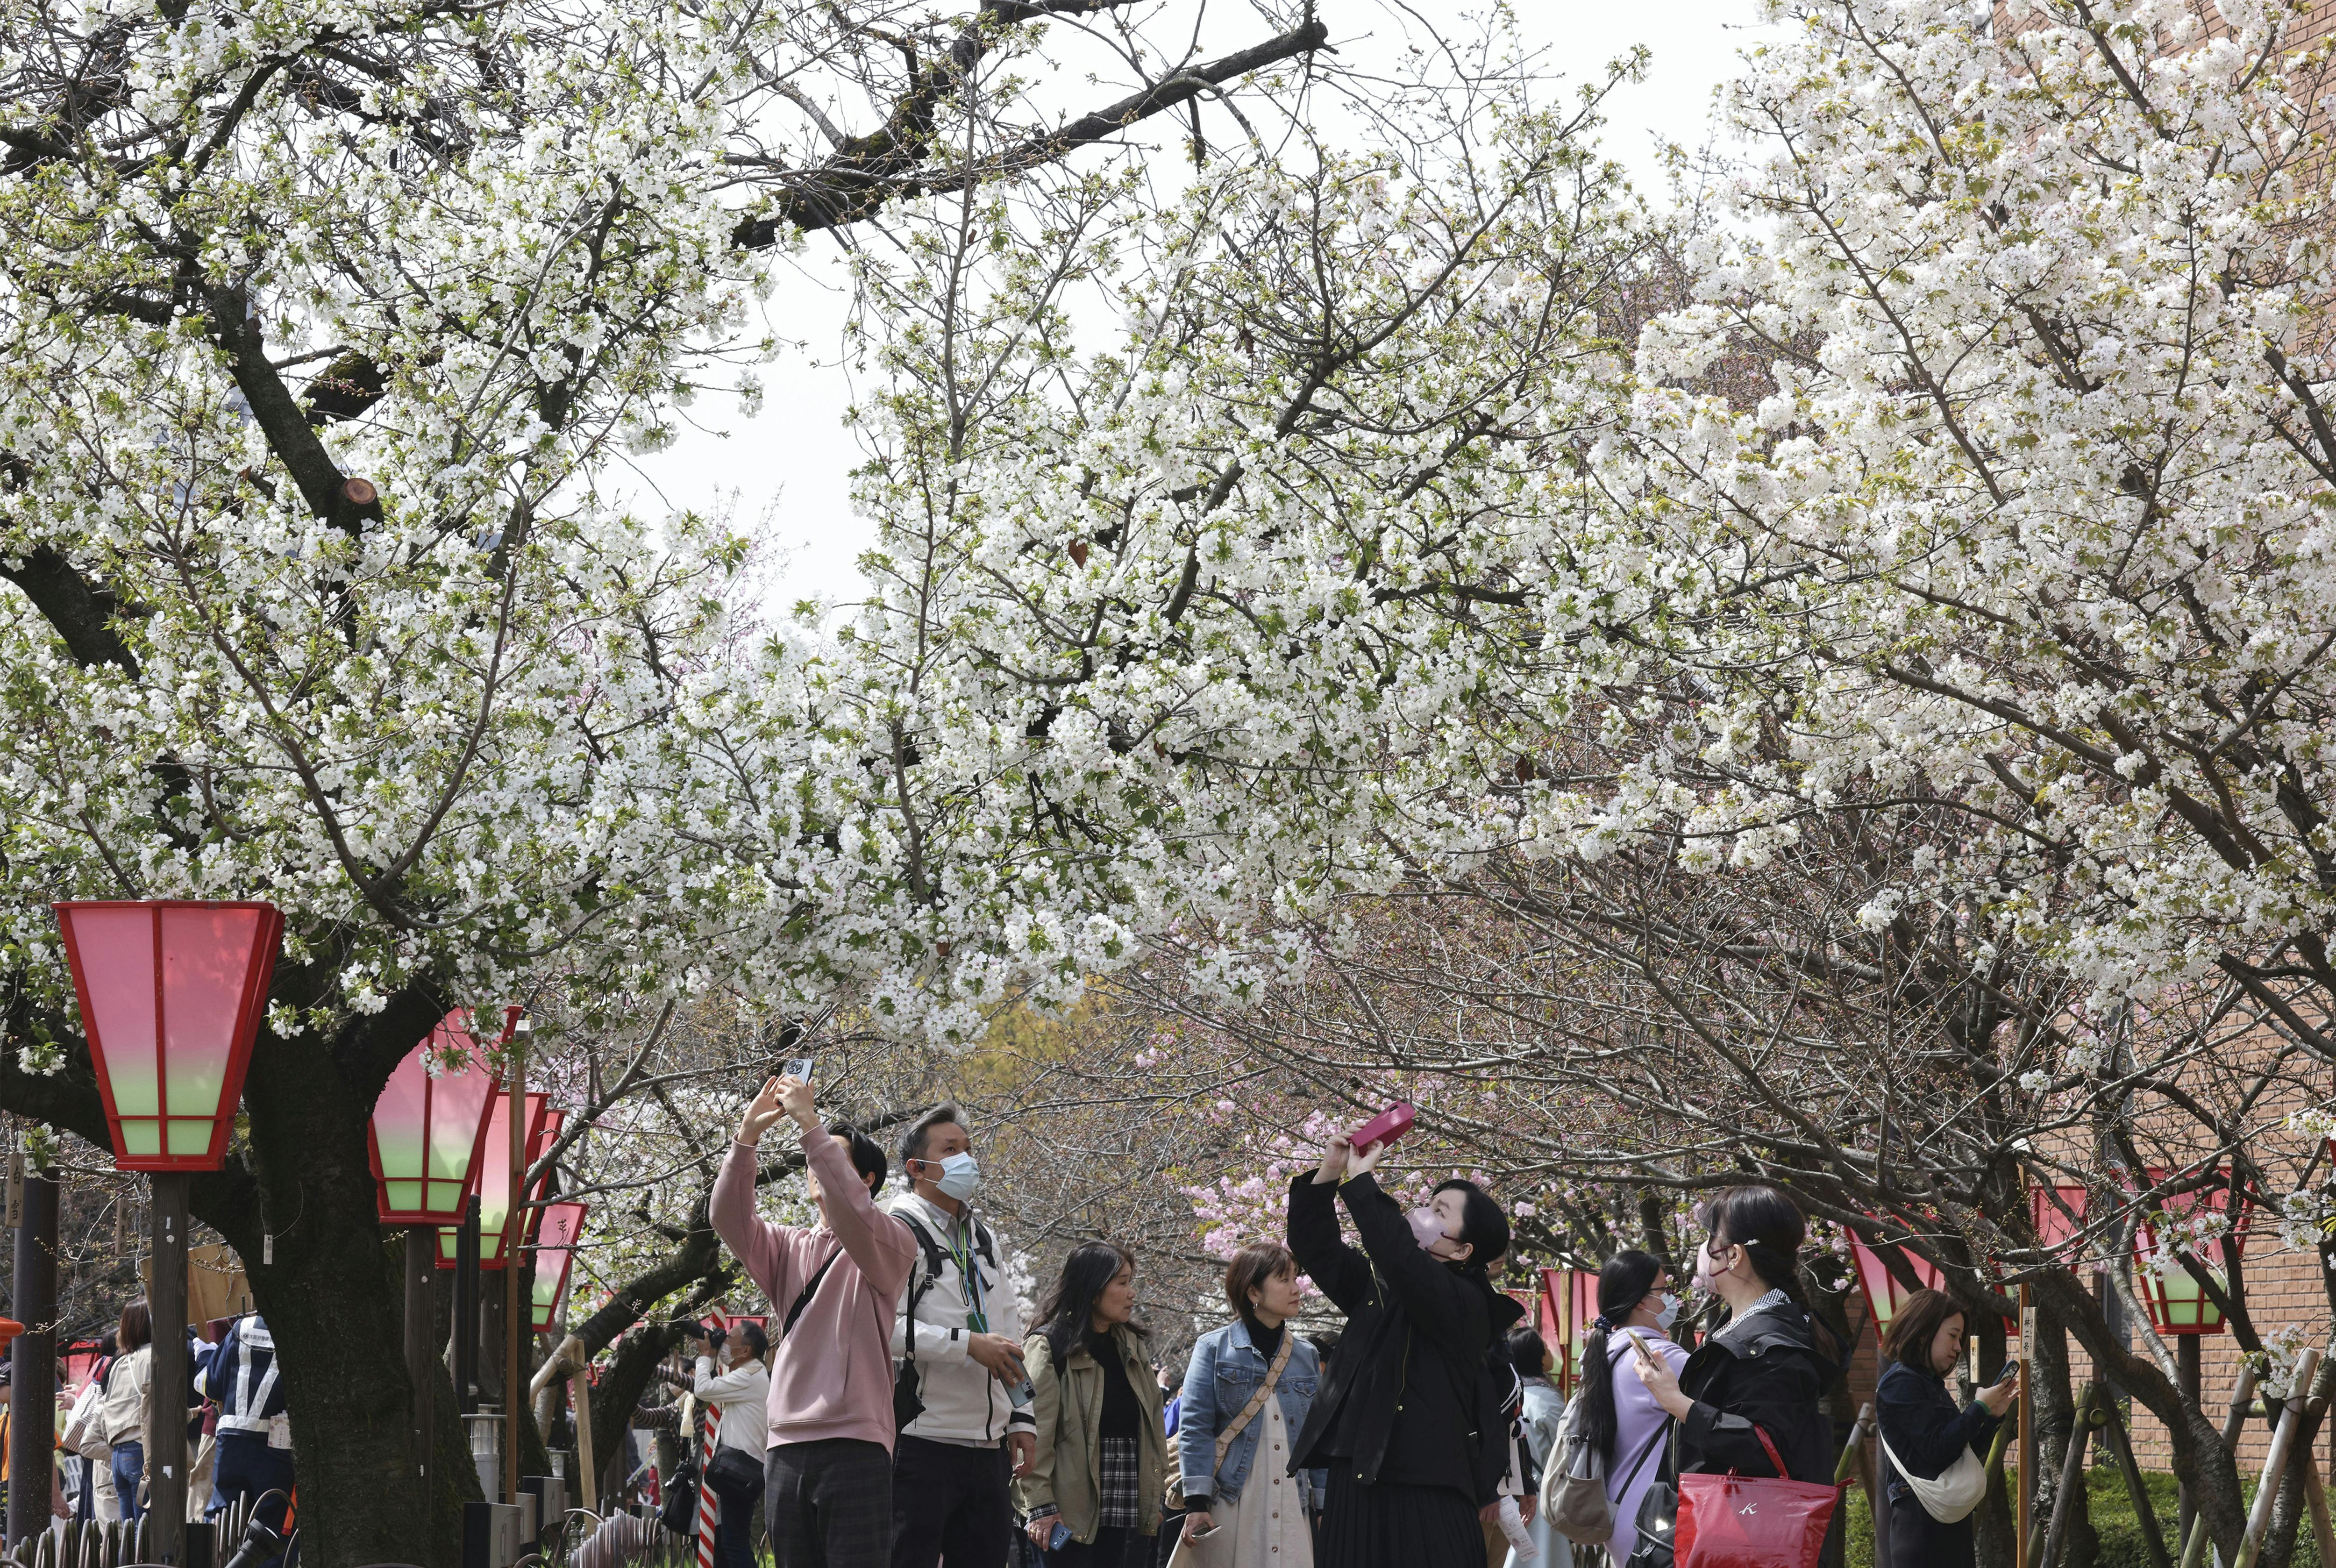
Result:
x=1923 y=1429
x=1254 y=1495
x=254 y=1434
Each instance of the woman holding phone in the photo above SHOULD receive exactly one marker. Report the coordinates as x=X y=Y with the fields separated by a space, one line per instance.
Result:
x=1408 y=1423
x=1620 y=1419
x=1759 y=1382
x=1925 y=1437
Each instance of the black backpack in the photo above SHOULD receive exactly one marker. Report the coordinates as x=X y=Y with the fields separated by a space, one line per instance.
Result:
x=907 y=1403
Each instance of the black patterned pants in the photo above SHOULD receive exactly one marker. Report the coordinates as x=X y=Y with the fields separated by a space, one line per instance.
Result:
x=829 y=1504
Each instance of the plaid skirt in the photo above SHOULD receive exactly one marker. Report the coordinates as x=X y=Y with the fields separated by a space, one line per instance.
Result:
x=1122 y=1508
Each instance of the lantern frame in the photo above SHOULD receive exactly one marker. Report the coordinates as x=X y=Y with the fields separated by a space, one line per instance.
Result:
x=2180 y=1308
x=561 y=1229
x=251 y=998
x=1883 y=1291
x=494 y=1257
x=423 y=1214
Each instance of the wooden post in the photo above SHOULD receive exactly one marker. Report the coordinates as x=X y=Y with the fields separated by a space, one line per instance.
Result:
x=516 y=1313
x=2187 y=1379
x=420 y=1354
x=2027 y=1430
x=165 y=1539
x=32 y=1363
x=2315 y=1496
x=2283 y=1438
x=588 y=1467
x=466 y=1311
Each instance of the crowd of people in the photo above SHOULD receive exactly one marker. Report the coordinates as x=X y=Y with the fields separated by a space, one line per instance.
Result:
x=238 y=1437
x=908 y=1419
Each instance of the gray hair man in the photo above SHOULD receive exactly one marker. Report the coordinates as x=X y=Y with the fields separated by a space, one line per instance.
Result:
x=960 y=1389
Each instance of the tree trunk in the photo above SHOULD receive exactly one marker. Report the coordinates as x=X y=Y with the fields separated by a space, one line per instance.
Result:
x=333 y=1298
x=1995 y=1522
x=2055 y=1420
x=2199 y=1460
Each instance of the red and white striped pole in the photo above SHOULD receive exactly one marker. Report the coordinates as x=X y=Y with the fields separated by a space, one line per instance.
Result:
x=709 y=1508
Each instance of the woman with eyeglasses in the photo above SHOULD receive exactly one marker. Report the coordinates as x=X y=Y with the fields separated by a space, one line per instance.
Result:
x=1620 y=1419
x=1762 y=1374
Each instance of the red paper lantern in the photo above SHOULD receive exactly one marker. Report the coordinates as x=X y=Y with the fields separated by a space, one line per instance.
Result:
x=555 y=1254
x=1884 y=1292
x=2054 y=1229
x=1568 y=1305
x=2178 y=1304
x=171 y=995
x=554 y=1118
x=429 y=1127
x=495 y=1180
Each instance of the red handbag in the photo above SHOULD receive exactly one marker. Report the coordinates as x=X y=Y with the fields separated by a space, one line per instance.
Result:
x=1734 y=1520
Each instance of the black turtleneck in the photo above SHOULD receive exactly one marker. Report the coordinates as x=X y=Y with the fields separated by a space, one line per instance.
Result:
x=1267 y=1340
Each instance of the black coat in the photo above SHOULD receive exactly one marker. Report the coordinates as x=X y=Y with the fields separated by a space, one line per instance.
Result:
x=1409 y=1399
x=1767 y=1371
x=1922 y=1425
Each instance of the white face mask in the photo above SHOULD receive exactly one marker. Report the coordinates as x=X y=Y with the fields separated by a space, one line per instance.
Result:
x=961 y=1176
x=1669 y=1314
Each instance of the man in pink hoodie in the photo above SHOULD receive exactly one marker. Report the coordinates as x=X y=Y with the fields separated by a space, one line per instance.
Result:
x=828 y=1469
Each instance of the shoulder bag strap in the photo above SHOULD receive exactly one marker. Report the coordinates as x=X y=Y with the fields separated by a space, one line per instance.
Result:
x=930 y=1251
x=1256 y=1402
x=805 y=1300
x=1647 y=1453
x=1774 y=1457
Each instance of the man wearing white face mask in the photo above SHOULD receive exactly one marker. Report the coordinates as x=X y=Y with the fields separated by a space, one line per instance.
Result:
x=960 y=1385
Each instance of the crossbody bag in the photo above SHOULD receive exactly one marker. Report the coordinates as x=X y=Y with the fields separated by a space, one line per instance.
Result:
x=1213 y=1547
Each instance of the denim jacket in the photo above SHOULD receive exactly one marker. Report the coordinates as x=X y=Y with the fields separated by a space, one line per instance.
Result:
x=1224 y=1373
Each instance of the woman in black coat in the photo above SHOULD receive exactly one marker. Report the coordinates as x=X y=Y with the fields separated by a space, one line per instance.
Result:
x=1768 y=1366
x=1923 y=1430
x=1407 y=1423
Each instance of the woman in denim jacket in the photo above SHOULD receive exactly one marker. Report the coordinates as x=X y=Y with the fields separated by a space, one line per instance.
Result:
x=1252 y=1495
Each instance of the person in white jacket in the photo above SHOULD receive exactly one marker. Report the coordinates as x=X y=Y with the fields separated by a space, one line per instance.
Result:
x=958 y=1343
x=739 y=1390
x=84 y=1433
x=124 y=1410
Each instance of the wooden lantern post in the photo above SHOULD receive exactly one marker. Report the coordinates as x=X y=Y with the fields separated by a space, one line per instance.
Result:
x=170 y=994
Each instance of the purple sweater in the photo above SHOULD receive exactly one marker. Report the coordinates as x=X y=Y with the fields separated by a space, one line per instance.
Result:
x=832 y=1375
x=1637 y=1421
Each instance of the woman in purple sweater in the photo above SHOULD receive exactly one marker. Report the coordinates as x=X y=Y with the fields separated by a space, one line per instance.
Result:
x=1620 y=1418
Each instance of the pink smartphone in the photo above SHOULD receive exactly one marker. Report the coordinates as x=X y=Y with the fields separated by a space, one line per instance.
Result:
x=1387 y=1126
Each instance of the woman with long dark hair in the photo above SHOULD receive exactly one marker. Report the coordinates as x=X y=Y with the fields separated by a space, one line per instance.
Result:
x=1759 y=1382
x=1099 y=1475
x=1924 y=1436
x=1620 y=1419
x=1409 y=1422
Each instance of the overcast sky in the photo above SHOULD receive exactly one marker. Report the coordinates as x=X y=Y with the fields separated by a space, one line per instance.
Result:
x=783 y=473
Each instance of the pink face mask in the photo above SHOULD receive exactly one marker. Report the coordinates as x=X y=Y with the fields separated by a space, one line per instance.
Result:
x=1427 y=1228
x=1703 y=1266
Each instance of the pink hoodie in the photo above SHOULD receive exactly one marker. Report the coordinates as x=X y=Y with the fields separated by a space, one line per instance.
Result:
x=832 y=1375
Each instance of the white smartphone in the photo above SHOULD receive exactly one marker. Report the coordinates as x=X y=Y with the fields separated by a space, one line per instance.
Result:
x=797 y=1067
